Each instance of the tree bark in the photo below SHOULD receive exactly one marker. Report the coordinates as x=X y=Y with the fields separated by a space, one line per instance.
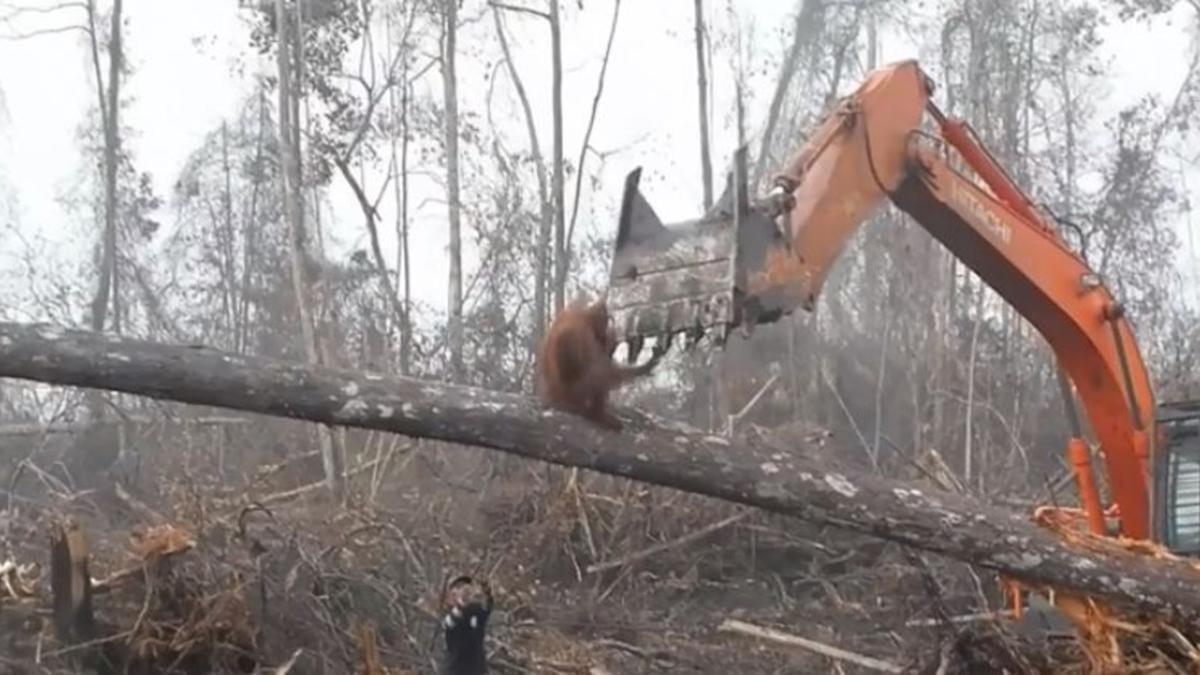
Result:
x=670 y=455
x=702 y=87
x=112 y=156
x=454 y=307
x=229 y=281
x=969 y=417
x=399 y=167
x=103 y=281
x=557 y=189
x=406 y=340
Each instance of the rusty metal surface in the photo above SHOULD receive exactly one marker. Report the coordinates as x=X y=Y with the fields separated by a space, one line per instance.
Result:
x=690 y=277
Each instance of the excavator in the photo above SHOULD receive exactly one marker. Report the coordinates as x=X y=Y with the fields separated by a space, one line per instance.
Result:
x=751 y=261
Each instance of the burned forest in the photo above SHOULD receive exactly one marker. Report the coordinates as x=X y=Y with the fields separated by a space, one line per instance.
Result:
x=891 y=361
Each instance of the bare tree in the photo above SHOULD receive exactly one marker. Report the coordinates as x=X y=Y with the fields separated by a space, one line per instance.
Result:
x=702 y=88
x=802 y=32
x=560 y=252
x=250 y=235
x=454 y=329
x=557 y=199
x=108 y=106
x=406 y=339
x=546 y=208
x=375 y=91
x=587 y=134
x=230 y=298
x=292 y=202
x=399 y=169
x=109 y=113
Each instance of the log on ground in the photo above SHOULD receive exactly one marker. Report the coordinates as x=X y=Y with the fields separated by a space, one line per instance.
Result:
x=651 y=451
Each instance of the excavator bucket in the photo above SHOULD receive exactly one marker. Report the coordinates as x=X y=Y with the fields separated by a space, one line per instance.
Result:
x=690 y=278
x=745 y=262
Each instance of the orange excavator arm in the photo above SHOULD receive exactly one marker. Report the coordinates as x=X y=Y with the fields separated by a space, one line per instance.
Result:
x=872 y=147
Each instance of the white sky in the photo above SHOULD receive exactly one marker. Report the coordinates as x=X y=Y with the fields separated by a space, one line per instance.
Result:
x=181 y=92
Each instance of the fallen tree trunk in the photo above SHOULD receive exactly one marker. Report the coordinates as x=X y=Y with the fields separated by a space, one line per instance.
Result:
x=650 y=451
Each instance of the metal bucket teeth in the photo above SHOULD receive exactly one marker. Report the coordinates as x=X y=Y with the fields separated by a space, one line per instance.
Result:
x=666 y=340
x=720 y=335
x=686 y=338
x=633 y=348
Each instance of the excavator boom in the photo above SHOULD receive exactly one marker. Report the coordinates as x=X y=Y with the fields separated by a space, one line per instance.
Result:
x=750 y=262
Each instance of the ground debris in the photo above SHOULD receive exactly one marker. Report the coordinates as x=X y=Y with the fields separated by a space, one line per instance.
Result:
x=18 y=581
x=583 y=573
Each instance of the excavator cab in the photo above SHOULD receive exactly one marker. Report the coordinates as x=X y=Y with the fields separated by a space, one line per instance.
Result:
x=1177 y=478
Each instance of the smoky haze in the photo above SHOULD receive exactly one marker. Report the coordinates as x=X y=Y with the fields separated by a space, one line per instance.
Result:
x=434 y=207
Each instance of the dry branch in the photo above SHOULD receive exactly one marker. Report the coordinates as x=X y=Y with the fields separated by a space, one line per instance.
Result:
x=666 y=545
x=779 y=637
x=656 y=452
x=39 y=428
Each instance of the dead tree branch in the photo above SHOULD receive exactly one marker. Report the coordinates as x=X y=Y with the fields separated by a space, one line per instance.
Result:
x=779 y=637
x=667 y=545
x=650 y=451
x=587 y=134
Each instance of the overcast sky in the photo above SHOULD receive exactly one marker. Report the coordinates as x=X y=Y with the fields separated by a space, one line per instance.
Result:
x=185 y=54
